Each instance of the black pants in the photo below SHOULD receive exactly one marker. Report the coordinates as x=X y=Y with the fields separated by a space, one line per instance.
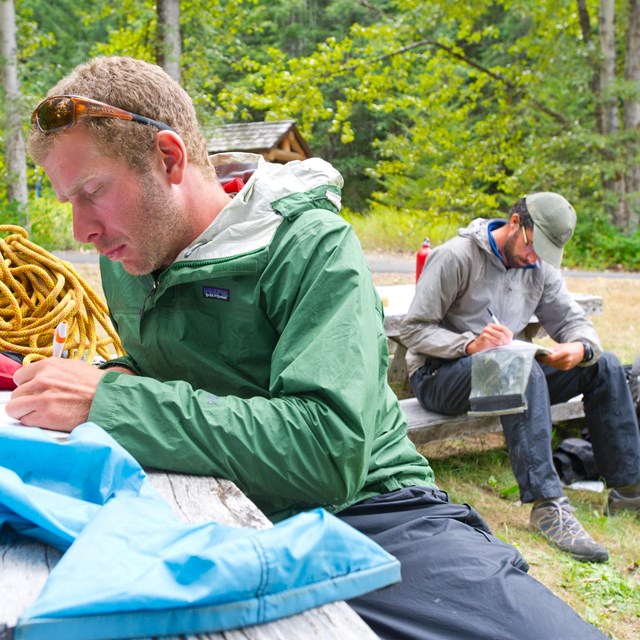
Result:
x=459 y=582
x=444 y=386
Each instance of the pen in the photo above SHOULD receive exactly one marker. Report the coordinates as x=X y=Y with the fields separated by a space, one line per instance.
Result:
x=493 y=317
x=59 y=337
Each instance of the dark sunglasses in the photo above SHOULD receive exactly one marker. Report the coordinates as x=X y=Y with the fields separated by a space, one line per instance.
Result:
x=62 y=112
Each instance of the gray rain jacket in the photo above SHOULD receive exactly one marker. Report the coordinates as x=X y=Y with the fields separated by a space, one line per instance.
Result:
x=463 y=277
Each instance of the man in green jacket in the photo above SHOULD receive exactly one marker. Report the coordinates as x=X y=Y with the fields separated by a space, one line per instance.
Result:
x=256 y=350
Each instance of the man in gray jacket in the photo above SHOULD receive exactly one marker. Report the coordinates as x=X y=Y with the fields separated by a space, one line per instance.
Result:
x=511 y=268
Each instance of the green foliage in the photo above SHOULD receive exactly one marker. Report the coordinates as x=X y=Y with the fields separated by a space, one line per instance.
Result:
x=53 y=38
x=475 y=104
x=598 y=245
x=603 y=582
x=51 y=224
x=435 y=112
x=397 y=230
x=612 y=592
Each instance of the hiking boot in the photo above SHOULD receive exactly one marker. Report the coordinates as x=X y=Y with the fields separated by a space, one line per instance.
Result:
x=555 y=520
x=626 y=498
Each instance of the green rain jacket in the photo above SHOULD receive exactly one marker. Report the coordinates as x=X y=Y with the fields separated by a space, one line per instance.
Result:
x=261 y=354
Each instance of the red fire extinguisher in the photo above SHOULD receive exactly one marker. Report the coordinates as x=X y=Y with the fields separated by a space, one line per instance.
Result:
x=421 y=256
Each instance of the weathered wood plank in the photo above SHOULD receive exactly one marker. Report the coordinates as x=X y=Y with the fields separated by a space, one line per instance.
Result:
x=206 y=499
x=203 y=499
x=428 y=426
x=24 y=568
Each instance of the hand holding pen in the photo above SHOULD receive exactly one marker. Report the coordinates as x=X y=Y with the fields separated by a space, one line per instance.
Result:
x=495 y=334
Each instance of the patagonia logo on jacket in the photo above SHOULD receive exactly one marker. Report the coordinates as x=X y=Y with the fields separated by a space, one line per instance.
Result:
x=215 y=292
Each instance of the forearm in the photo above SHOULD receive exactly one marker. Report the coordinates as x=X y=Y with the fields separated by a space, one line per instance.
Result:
x=565 y=320
x=430 y=339
x=285 y=452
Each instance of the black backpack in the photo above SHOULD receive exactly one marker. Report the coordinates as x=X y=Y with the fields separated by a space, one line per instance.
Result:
x=574 y=461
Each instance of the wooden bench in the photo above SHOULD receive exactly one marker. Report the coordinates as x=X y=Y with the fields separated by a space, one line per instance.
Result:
x=428 y=426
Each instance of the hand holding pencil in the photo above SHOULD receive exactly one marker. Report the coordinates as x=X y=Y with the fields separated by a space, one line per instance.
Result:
x=495 y=334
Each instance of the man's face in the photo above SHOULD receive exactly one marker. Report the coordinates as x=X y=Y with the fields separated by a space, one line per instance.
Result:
x=135 y=220
x=518 y=248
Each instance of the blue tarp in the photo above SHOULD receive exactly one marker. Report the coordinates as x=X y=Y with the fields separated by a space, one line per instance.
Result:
x=132 y=569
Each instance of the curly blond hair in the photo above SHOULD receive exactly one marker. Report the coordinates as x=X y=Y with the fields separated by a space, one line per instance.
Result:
x=138 y=87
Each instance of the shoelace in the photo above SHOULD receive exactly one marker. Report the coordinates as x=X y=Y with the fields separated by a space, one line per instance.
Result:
x=562 y=522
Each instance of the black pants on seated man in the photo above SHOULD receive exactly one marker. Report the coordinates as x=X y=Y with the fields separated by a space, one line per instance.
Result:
x=459 y=582
x=444 y=386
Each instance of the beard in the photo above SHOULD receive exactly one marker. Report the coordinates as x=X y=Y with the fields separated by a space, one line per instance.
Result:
x=159 y=228
x=512 y=259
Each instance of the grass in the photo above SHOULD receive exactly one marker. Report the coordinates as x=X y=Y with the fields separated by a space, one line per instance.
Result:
x=477 y=471
x=619 y=324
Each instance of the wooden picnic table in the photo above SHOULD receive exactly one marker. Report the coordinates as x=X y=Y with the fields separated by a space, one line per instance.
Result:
x=396 y=300
x=25 y=564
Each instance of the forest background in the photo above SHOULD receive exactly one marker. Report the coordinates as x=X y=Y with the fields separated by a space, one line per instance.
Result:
x=435 y=112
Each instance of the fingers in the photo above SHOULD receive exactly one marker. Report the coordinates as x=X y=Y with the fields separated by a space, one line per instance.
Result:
x=498 y=334
x=28 y=372
x=54 y=393
x=565 y=356
x=23 y=410
x=493 y=335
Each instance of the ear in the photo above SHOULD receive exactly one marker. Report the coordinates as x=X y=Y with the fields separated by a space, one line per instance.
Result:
x=173 y=155
x=514 y=219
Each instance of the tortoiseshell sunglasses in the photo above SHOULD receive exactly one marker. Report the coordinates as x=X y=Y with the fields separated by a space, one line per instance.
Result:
x=62 y=112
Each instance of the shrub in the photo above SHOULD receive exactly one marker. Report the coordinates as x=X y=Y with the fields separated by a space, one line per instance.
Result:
x=49 y=223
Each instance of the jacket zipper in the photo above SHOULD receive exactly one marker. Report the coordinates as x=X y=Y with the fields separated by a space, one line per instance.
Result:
x=154 y=286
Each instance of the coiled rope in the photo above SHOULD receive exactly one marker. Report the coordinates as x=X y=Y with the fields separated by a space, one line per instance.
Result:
x=38 y=291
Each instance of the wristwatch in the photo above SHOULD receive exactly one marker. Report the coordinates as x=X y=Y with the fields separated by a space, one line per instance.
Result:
x=588 y=351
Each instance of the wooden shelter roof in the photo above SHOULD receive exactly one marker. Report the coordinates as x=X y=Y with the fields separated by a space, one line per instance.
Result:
x=278 y=141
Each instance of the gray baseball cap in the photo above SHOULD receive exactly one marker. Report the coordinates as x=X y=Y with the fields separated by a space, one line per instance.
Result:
x=554 y=220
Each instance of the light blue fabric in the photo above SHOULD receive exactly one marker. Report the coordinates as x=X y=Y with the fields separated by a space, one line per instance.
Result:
x=132 y=569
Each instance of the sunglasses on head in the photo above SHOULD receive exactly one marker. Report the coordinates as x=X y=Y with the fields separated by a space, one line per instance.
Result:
x=62 y=112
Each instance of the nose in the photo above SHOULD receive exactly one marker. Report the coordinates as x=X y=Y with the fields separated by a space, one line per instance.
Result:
x=86 y=227
x=532 y=257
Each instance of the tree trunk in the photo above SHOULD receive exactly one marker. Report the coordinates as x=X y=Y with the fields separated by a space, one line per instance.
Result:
x=15 y=154
x=606 y=19
x=631 y=116
x=169 y=38
x=616 y=207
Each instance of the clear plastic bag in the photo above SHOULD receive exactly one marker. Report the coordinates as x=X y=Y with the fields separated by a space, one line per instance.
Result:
x=499 y=379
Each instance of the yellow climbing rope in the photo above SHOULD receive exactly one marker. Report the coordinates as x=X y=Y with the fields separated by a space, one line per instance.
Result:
x=38 y=291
